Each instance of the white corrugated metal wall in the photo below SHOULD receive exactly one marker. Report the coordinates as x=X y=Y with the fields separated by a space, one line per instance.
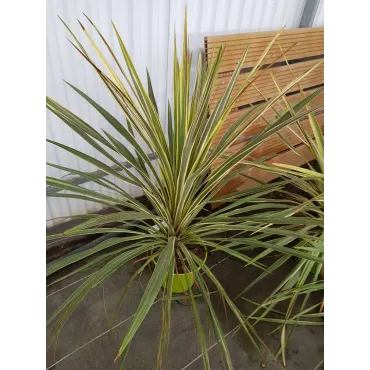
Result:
x=319 y=18
x=146 y=27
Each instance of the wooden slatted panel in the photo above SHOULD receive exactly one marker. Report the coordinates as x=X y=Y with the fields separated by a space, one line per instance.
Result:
x=240 y=183
x=266 y=85
x=274 y=144
x=306 y=49
x=257 y=126
x=304 y=42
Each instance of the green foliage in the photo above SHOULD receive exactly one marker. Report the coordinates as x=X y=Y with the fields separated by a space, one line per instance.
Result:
x=178 y=190
x=305 y=277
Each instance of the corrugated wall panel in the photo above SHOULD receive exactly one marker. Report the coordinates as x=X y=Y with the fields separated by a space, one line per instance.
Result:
x=143 y=26
x=146 y=27
x=319 y=18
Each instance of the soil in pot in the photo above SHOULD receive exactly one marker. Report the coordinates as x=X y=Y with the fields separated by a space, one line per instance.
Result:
x=197 y=250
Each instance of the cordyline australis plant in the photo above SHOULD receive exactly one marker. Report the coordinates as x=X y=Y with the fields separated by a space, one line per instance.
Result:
x=166 y=231
x=306 y=276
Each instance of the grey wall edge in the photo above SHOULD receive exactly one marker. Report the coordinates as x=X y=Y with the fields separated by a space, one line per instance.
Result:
x=309 y=13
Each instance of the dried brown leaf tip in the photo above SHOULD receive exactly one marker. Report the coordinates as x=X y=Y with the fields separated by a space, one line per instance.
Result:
x=83 y=28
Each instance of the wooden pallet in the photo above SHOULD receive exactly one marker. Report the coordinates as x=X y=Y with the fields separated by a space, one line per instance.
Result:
x=305 y=49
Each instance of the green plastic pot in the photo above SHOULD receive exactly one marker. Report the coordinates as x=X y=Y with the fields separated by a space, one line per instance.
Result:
x=182 y=282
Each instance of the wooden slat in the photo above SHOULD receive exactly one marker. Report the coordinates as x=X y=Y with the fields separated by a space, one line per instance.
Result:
x=261 y=44
x=307 y=42
x=286 y=157
x=241 y=183
x=259 y=124
x=232 y=55
x=255 y=50
x=264 y=34
x=264 y=75
x=274 y=144
x=266 y=84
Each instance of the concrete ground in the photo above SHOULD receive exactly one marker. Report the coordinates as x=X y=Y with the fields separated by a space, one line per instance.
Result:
x=87 y=343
